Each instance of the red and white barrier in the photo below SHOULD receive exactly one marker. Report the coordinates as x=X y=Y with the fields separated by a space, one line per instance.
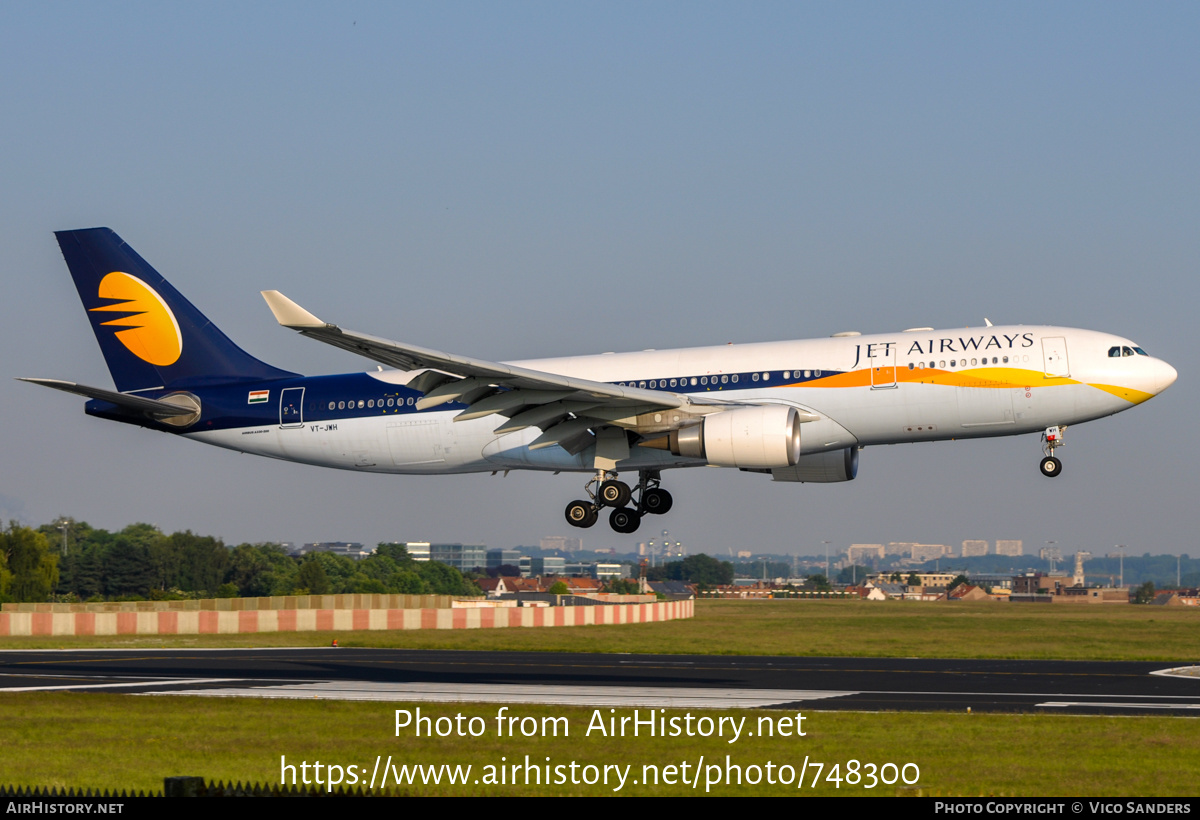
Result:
x=13 y=624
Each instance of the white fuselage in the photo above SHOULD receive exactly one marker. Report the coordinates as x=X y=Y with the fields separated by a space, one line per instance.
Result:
x=888 y=388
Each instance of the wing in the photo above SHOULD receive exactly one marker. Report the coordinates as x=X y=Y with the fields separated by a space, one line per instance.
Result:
x=565 y=408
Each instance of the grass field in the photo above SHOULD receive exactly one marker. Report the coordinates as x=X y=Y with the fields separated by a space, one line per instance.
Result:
x=783 y=627
x=121 y=741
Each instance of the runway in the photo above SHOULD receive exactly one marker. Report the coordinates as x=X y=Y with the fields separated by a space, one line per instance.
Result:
x=677 y=681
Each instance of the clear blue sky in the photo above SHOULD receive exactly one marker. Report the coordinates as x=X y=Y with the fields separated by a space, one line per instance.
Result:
x=514 y=180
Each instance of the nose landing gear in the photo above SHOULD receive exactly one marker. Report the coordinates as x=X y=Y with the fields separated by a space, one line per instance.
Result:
x=610 y=492
x=1051 y=440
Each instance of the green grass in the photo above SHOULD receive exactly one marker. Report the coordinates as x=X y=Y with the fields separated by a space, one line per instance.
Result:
x=121 y=741
x=814 y=628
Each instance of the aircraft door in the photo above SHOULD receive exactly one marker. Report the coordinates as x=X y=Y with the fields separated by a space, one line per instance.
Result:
x=1054 y=355
x=883 y=367
x=291 y=407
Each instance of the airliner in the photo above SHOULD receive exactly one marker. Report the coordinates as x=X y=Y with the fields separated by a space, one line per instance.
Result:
x=798 y=411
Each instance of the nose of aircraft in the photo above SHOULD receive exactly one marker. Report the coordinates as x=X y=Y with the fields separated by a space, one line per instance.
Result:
x=1164 y=375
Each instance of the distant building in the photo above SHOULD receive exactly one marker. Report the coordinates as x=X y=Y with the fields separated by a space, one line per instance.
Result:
x=499 y=557
x=928 y=552
x=862 y=553
x=966 y=592
x=351 y=549
x=971 y=549
x=605 y=572
x=597 y=570
x=991 y=580
x=1010 y=547
x=417 y=550
x=561 y=543
x=463 y=557
x=936 y=579
x=547 y=566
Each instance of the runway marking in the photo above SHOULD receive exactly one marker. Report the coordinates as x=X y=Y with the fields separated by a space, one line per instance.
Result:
x=501 y=693
x=1179 y=672
x=1112 y=705
x=128 y=685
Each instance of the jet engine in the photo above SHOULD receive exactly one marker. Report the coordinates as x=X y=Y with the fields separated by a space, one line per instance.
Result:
x=822 y=468
x=762 y=437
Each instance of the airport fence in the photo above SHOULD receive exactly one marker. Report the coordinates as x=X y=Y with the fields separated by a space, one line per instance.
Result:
x=187 y=787
x=231 y=622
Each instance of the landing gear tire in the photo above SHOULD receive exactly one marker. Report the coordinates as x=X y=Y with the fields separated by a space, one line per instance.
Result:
x=624 y=520
x=581 y=514
x=1051 y=466
x=656 y=501
x=614 y=493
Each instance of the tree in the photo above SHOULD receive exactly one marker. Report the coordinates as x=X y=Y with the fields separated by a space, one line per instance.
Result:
x=33 y=566
x=621 y=586
x=559 y=588
x=5 y=576
x=1144 y=594
x=128 y=572
x=312 y=576
x=444 y=579
x=914 y=580
x=397 y=552
x=700 y=569
x=250 y=570
x=853 y=574
x=817 y=581
x=87 y=571
x=958 y=579
x=202 y=561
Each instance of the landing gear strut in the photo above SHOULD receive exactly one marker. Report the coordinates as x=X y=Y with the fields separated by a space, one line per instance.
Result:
x=1051 y=439
x=610 y=492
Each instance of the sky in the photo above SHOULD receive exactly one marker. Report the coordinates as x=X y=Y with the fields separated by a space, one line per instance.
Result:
x=519 y=180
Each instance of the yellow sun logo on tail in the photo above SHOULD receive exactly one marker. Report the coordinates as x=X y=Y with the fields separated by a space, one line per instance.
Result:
x=152 y=333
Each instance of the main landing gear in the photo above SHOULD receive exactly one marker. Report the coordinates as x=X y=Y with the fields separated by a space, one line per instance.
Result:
x=1051 y=439
x=610 y=492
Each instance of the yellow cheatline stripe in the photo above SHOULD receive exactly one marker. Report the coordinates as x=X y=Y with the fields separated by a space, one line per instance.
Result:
x=1128 y=393
x=991 y=377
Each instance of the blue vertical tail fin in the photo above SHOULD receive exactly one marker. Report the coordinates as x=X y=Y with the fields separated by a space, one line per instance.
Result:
x=151 y=336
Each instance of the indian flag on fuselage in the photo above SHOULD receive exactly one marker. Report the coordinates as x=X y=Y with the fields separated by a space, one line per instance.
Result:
x=258 y=397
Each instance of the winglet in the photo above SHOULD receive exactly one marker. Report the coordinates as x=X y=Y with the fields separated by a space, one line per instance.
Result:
x=288 y=313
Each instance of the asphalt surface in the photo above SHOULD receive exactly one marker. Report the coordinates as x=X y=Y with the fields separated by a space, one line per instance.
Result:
x=859 y=684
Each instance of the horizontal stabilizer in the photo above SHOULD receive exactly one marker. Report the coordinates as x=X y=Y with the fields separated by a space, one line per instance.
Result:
x=138 y=403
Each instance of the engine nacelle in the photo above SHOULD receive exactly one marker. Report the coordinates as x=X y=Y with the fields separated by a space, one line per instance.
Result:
x=762 y=437
x=822 y=468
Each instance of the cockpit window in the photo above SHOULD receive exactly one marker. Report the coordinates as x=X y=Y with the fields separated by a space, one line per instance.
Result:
x=1127 y=351
x=1140 y=352
x=1114 y=352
